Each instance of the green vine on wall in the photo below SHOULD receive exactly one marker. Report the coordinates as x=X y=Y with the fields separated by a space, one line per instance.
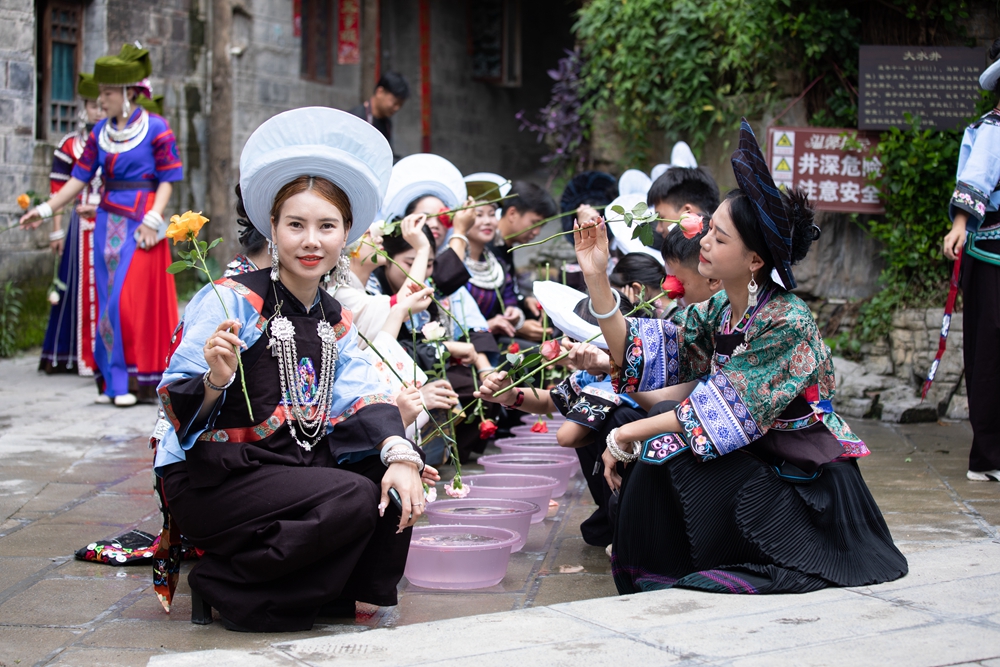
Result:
x=692 y=68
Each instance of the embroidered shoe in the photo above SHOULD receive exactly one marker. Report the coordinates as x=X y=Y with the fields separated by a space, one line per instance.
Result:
x=125 y=400
x=984 y=476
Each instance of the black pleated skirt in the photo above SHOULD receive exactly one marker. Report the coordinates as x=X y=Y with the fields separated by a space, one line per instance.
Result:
x=731 y=525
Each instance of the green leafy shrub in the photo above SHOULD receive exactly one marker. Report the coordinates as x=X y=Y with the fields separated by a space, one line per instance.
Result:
x=10 y=316
x=689 y=67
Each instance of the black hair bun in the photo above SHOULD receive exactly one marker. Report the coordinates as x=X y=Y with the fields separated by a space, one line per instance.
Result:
x=801 y=216
x=995 y=49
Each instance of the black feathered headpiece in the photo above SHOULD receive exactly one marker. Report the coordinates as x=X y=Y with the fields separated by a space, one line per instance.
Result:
x=755 y=181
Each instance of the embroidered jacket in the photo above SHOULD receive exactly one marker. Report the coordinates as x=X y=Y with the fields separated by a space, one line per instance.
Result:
x=978 y=188
x=740 y=398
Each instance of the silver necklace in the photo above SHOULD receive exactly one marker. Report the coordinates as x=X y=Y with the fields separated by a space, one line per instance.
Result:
x=485 y=273
x=123 y=140
x=311 y=413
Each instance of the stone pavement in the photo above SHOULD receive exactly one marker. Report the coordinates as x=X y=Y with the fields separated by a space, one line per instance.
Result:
x=72 y=472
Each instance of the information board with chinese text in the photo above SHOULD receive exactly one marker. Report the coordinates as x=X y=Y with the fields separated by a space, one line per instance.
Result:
x=938 y=84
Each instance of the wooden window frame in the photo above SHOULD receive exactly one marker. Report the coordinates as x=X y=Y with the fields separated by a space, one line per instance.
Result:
x=310 y=35
x=510 y=48
x=45 y=131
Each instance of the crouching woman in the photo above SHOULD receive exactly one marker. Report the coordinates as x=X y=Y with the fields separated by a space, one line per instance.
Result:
x=751 y=484
x=287 y=489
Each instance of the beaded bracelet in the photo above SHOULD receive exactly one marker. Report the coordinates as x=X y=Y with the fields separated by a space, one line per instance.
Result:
x=57 y=235
x=617 y=451
x=208 y=383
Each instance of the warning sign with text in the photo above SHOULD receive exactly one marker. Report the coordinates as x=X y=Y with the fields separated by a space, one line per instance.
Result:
x=834 y=166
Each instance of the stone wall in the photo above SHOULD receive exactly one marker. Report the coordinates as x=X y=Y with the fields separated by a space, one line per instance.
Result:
x=884 y=381
x=19 y=169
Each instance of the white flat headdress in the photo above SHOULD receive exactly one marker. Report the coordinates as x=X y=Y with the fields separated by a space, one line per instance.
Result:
x=988 y=79
x=321 y=142
x=422 y=174
x=559 y=302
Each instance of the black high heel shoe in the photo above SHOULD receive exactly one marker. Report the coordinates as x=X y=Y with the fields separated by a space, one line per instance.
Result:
x=201 y=611
x=201 y=614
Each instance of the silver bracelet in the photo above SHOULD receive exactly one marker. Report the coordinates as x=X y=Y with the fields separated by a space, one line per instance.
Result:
x=208 y=383
x=618 y=303
x=617 y=451
x=57 y=235
x=405 y=457
x=43 y=210
x=153 y=220
x=461 y=236
x=391 y=442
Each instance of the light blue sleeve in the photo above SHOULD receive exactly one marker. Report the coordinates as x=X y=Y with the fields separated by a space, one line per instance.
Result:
x=203 y=315
x=467 y=313
x=978 y=174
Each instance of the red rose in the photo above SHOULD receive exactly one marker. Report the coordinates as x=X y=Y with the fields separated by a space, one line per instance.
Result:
x=539 y=427
x=514 y=348
x=444 y=218
x=486 y=429
x=550 y=349
x=673 y=287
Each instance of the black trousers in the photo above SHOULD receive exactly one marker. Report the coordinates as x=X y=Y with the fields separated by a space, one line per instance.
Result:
x=981 y=337
x=281 y=541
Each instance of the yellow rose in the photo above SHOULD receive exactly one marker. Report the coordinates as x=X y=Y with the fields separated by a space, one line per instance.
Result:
x=185 y=227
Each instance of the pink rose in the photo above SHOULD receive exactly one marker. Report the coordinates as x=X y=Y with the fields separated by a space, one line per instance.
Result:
x=550 y=349
x=691 y=225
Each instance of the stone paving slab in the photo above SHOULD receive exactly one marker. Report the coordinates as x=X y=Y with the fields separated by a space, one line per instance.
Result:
x=944 y=613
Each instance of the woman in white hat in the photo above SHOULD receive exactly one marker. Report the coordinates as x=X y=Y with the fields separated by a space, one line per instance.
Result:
x=976 y=226
x=290 y=503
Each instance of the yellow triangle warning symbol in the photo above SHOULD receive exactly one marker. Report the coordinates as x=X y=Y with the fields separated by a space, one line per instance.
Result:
x=782 y=166
x=784 y=142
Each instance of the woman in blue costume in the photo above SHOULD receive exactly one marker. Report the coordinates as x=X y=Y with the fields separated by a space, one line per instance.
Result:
x=286 y=490
x=976 y=226
x=137 y=301
x=69 y=338
x=751 y=484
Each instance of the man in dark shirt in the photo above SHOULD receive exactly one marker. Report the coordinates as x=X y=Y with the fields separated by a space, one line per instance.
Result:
x=390 y=94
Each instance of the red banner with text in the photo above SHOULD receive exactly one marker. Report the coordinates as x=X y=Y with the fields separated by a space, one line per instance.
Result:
x=349 y=32
x=837 y=168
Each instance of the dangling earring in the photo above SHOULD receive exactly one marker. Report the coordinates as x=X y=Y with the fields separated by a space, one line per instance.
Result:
x=752 y=288
x=126 y=105
x=343 y=270
x=274 y=261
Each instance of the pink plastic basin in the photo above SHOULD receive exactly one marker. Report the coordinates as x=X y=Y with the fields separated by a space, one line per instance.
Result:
x=458 y=557
x=510 y=514
x=554 y=420
x=525 y=445
x=526 y=432
x=560 y=466
x=533 y=488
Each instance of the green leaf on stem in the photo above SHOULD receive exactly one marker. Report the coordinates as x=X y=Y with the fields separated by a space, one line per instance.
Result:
x=179 y=266
x=618 y=209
